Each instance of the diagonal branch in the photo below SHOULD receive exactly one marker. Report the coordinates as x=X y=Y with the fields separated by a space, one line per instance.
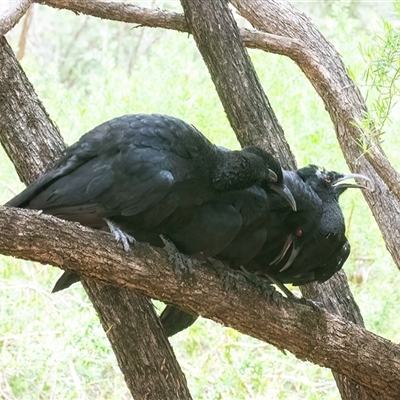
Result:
x=246 y=105
x=303 y=330
x=12 y=14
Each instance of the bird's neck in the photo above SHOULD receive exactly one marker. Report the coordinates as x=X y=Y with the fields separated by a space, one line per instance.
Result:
x=237 y=170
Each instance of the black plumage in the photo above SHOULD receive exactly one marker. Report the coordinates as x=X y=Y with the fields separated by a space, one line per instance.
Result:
x=303 y=246
x=144 y=175
x=311 y=242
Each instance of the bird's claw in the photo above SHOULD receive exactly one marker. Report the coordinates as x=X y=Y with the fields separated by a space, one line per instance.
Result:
x=229 y=279
x=268 y=290
x=120 y=236
x=227 y=275
x=316 y=305
x=182 y=262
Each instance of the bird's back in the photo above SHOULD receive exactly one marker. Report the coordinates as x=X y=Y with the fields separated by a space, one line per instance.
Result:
x=126 y=165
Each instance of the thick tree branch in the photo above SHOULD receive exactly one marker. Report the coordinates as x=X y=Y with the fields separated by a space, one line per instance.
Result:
x=246 y=105
x=142 y=350
x=124 y=12
x=309 y=333
x=12 y=14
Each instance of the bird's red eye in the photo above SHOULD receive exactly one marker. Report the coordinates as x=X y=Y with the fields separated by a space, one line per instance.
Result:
x=299 y=232
x=328 y=179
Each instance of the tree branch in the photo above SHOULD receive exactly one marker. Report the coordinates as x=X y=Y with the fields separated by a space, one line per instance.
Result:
x=309 y=333
x=12 y=14
x=123 y=12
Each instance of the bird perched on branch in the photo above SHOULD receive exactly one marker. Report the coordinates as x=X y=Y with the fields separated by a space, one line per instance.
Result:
x=142 y=175
x=311 y=242
x=303 y=246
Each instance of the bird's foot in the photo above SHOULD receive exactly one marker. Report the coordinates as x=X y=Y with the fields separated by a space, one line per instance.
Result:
x=228 y=276
x=292 y=297
x=316 y=305
x=182 y=262
x=120 y=235
x=268 y=290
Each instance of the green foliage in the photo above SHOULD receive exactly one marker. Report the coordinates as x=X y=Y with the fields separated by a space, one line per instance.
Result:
x=52 y=346
x=382 y=78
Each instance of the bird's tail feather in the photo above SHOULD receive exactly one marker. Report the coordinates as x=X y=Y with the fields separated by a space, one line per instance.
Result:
x=65 y=281
x=175 y=320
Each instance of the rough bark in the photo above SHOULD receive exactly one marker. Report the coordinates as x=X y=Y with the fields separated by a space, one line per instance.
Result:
x=30 y=157
x=12 y=14
x=32 y=142
x=147 y=360
x=124 y=12
x=308 y=332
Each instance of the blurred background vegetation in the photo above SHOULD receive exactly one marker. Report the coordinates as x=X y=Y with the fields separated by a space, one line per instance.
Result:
x=87 y=71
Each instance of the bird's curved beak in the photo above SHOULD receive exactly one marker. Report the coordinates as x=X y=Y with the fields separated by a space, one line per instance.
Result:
x=345 y=185
x=284 y=192
x=285 y=248
x=295 y=251
x=272 y=176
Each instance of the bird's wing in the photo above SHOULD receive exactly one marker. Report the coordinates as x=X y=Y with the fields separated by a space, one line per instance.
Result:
x=334 y=263
x=127 y=164
x=253 y=206
x=211 y=227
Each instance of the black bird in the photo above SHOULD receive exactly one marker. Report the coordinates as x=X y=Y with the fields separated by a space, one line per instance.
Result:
x=143 y=175
x=313 y=245
x=303 y=246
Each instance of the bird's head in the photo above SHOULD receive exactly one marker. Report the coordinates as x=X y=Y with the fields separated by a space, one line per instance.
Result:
x=274 y=175
x=329 y=183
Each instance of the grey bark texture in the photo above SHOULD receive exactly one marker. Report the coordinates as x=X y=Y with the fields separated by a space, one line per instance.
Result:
x=14 y=11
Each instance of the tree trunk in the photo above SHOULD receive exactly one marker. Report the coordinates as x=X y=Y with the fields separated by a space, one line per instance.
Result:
x=32 y=141
x=246 y=105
